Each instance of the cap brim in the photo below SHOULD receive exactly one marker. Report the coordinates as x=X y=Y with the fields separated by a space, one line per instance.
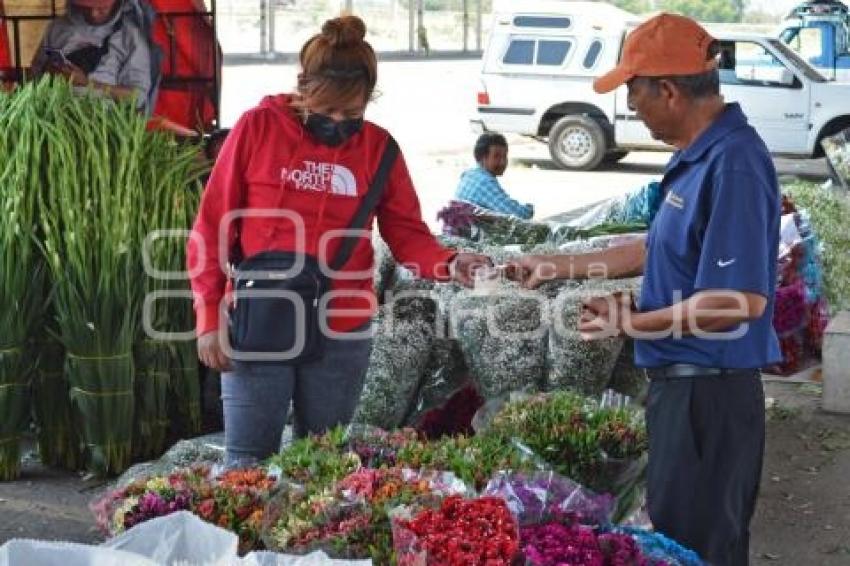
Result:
x=610 y=81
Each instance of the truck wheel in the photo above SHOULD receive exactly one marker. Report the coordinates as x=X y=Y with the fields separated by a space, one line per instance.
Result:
x=577 y=142
x=615 y=156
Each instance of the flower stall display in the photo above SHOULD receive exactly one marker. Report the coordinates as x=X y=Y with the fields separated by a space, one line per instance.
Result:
x=801 y=309
x=396 y=497
x=828 y=211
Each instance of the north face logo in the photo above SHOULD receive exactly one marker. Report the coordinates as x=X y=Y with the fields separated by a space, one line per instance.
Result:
x=322 y=177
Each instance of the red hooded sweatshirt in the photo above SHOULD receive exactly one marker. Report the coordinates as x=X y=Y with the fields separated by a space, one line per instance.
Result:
x=270 y=161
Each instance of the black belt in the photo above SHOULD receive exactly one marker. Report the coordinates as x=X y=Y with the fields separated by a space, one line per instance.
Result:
x=678 y=371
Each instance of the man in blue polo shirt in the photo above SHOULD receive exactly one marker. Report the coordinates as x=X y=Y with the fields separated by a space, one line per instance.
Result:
x=703 y=326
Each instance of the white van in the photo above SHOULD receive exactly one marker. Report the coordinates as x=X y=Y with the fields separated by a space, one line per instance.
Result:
x=543 y=55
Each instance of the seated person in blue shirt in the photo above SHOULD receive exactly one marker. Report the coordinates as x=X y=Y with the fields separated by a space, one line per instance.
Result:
x=479 y=185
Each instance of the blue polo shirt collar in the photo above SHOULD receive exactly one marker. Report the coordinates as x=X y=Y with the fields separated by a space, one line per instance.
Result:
x=729 y=120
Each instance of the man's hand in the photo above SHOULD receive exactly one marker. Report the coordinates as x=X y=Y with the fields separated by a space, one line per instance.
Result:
x=210 y=352
x=464 y=265
x=606 y=316
x=531 y=271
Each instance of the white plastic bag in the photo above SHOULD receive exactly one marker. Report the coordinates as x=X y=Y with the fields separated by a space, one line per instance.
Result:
x=20 y=551
x=313 y=559
x=179 y=538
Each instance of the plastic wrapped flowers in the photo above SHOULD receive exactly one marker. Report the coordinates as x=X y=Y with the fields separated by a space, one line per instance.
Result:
x=234 y=500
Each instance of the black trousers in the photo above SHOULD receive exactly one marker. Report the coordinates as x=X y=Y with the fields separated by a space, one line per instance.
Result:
x=706 y=446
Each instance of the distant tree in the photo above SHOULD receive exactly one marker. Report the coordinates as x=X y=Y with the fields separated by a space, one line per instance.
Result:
x=633 y=6
x=762 y=17
x=707 y=10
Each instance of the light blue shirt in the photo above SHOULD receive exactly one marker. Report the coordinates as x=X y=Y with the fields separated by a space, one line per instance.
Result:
x=481 y=188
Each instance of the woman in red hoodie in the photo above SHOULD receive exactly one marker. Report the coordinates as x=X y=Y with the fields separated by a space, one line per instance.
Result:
x=297 y=168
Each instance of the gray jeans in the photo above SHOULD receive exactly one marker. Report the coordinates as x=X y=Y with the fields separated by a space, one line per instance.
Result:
x=256 y=399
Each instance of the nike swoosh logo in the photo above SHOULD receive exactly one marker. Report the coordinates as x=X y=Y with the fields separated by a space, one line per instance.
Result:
x=721 y=263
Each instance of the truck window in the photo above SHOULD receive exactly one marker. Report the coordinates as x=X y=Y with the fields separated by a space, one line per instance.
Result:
x=810 y=72
x=552 y=52
x=841 y=40
x=520 y=52
x=549 y=22
x=808 y=43
x=751 y=64
x=592 y=55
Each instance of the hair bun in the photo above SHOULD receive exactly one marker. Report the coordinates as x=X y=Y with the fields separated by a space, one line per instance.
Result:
x=344 y=31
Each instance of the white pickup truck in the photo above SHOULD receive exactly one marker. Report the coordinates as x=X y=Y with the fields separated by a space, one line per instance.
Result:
x=543 y=56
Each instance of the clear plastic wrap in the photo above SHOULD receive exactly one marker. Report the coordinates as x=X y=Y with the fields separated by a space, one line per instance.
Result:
x=626 y=378
x=399 y=354
x=539 y=497
x=837 y=150
x=575 y=363
x=445 y=377
x=636 y=206
x=503 y=338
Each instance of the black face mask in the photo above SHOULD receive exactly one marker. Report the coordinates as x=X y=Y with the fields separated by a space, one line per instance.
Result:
x=330 y=132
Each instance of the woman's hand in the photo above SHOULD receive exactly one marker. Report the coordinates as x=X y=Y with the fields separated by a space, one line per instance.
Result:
x=464 y=265
x=210 y=352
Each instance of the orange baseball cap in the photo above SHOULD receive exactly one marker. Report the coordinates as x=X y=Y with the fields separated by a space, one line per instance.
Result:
x=663 y=46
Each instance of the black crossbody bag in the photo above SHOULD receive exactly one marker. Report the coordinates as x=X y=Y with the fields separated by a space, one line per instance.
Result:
x=277 y=294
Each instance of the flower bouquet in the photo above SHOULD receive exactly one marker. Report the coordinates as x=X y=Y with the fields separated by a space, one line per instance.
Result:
x=146 y=499
x=234 y=500
x=790 y=307
x=461 y=532
x=580 y=439
x=376 y=447
x=658 y=549
x=317 y=460
x=453 y=417
x=351 y=520
x=558 y=543
x=472 y=459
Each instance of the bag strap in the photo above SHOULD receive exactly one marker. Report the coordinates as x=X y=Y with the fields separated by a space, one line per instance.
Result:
x=368 y=204
x=358 y=221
